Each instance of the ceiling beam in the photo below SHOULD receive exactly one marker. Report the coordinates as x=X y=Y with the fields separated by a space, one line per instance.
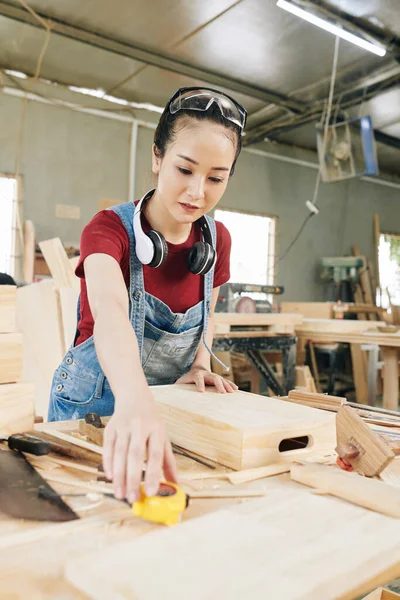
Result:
x=149 y=57
x=347 y=99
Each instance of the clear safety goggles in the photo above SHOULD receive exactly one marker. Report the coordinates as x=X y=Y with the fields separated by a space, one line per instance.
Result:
x=202 y=98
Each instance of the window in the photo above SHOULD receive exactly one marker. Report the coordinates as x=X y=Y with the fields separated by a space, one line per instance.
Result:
x=389 y=269
x=8 y=204
x=253 y=246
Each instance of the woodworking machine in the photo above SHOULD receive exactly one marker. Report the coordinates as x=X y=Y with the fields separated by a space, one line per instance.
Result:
x=246 y=297
x=344 y=273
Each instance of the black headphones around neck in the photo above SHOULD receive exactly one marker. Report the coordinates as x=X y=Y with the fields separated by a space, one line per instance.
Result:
x=152 y=250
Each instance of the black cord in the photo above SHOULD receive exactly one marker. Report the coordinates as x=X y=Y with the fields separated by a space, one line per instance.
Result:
x=292 y=243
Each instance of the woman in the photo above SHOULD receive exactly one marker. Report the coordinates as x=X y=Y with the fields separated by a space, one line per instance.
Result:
x=150 y=275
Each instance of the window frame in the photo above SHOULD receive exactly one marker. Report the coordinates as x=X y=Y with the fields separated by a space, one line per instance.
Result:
x=272 y=246
x=17 y=245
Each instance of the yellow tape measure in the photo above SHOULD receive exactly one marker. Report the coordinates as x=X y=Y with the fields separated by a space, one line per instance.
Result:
x=165 y=508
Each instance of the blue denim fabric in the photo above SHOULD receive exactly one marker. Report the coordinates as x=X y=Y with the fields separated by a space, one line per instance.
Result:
x=168 y=342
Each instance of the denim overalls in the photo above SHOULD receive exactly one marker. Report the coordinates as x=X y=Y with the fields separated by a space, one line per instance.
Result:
x=168 y=342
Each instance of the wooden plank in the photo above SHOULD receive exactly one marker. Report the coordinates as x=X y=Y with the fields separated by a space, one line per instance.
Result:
x=8 y=295
x=257 y=319
x=360 y=374
x=315 y=310
x=70 y=439
x=311 y=326
x=239 y=430
x=68 y=298
x=374 y=455
x=363 y=491
x=10 y=357
x=316 y=398
x=258 y=473
x=314 y=366
x=58 y=263
x=38 y=320
x=28 y=266
x=270 y=548
x=391 y=378
x=16 y=407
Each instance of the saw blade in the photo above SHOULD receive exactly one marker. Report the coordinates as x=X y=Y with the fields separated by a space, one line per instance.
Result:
x=19 y=492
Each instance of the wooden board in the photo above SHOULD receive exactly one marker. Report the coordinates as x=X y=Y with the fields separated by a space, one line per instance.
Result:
x=239 y=430
x=315 y=310
x=10 y=357
x=8 y=294
x=374 y=455
x=58 y=263
x=16 y=407
x=364 y=491
x=28 y=265
x=38 y=320
x=277 y=323
x=335 y=326
x=68 y=298
x=288 y=545
x=382 y=594
x=360 y=374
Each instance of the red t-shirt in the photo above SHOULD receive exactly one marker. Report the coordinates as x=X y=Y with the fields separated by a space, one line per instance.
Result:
x=172 y=283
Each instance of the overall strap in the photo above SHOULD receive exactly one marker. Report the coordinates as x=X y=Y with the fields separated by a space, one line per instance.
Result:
x=136 y=287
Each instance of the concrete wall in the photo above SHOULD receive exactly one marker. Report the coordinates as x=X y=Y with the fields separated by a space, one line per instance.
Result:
x=76 y=159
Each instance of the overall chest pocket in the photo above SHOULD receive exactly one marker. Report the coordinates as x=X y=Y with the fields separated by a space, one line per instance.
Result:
x=166 y=356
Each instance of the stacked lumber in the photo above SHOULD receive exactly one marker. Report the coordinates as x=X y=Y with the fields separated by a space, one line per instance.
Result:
x=16 y=398
x=46 y=317
x=314 y=400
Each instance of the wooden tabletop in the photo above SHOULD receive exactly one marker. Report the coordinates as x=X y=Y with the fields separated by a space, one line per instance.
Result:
x=33 y=555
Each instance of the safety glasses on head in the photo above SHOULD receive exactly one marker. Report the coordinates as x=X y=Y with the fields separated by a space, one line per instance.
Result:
x=195 y=98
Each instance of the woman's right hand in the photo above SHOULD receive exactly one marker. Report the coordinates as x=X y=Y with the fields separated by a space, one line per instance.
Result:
x=135 y=432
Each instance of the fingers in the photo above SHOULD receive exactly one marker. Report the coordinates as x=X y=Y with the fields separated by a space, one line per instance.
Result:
x=199 y=381
x=120 y=464
x=108 y=451
x=169 y=464
x=230 y=386
x=155 y=452
x=136 y=457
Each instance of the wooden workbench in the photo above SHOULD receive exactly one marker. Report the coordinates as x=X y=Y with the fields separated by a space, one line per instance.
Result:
x=33 y=555
x=360 y=332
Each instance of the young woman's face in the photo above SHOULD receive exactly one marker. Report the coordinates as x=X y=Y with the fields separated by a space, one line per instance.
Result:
x=194 y=172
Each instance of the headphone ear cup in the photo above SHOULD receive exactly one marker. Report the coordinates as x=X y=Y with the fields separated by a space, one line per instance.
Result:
x=160 y=248
x=201 y=258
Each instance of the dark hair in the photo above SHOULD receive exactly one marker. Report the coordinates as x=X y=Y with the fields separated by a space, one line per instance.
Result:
x=169 y=125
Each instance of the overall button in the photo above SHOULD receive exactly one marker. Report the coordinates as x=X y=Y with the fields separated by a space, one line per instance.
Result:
x=63 y=375
x=136 y=295
x=68 y=360
x=59 y=387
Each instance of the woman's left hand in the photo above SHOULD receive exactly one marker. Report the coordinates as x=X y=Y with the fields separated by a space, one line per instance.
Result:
x=201 y=377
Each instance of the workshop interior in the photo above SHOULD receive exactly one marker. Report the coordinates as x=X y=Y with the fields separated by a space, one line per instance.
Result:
x=200 y=299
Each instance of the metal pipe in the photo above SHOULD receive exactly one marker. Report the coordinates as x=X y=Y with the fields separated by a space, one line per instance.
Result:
x=148 y=125
x=132 y=161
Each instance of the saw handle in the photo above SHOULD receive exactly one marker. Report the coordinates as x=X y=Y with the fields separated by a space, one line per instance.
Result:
x=23 y=442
